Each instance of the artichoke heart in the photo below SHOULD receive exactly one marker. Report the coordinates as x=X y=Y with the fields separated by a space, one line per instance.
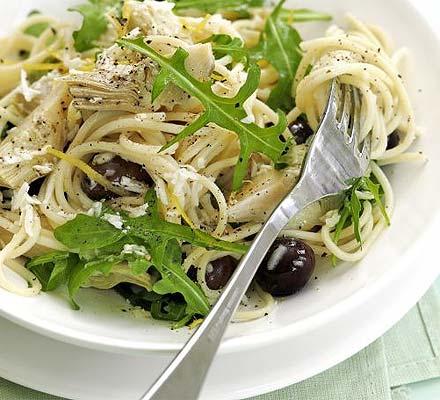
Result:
x=119 y=273
x=257 y=199
x=152 y=18
x=123 y=80
x=23 y=152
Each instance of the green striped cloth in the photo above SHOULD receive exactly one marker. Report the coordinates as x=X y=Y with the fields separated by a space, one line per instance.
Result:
x=408 y=353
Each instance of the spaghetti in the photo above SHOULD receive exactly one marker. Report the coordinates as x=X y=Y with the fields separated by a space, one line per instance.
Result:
x=106 y=113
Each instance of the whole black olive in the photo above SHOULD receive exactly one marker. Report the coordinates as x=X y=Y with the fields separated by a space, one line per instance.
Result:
x=393 y=140
x=287 y=267
x=301 y=130
x=113 y=170
x=219 y=271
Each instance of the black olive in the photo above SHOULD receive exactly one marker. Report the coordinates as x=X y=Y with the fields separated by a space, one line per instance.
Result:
x=393 y=140
x=287 y=267
x=300 y=130
x=114 y=170
x=219 y=271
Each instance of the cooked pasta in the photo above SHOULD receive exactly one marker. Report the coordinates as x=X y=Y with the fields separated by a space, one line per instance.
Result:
x=79 y=124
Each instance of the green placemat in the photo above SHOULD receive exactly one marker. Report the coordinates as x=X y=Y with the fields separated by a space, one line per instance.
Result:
x=408 y=353
x=359 y=378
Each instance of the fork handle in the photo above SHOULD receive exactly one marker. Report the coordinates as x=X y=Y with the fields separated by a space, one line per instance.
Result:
x=184 y=377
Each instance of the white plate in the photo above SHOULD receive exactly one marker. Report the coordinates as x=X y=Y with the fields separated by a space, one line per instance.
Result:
x=334 y=317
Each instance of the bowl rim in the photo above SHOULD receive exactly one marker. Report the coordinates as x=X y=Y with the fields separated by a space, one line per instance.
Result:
x=235 y=344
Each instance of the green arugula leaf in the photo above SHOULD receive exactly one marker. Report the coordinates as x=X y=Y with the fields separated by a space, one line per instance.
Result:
x=237 y=7
x=94 y=23
x=355 y=208
x=52 y=269
x=86 y=232
x=279 y=45
x=165 y=307
x=167 y=259
x=160 y=238
x=94 y=237
x=37 y=29
x=100 y=247
x=84 y=270
x=109 y=249
x=350 y=212
x=138 y=264
x=168 y=309
x=303 y=15
x=352 y=208
x=48 y=258
x=152 y=225
x=223 y=45
x=227 y=113
x=165 y=256
x=138 y=298
x=374 y=189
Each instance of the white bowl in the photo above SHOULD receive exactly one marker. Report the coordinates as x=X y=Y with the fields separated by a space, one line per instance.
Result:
x=342 y=311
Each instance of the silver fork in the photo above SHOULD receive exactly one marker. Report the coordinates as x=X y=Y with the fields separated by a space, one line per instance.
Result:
x=332 y=161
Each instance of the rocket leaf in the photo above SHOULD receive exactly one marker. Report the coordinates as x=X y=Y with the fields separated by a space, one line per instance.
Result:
x=279 y=45
x=303 y=15
x=351 y=209
x=237 y=7
x=52 y=269
x=87 y=233
x=223 y=45
x=166 y=256
x=94 y=23
x=225 y=112
x=152 y=226
x=99 y=246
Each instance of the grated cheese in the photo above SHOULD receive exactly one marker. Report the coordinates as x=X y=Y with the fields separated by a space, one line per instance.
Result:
x=114 y=219
x=20 y=155
x=103 y=158
x=152 y=17
x=22 y=201
x=25 y=88
x=43 y=169
x=179 y=179
x=135 y=212
x=248 y=119
x=95 y=210
x=131 y=185
x=136 y=249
